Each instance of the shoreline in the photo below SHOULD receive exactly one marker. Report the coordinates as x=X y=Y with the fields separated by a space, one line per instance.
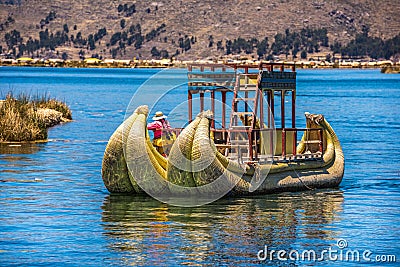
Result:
x=91 y=63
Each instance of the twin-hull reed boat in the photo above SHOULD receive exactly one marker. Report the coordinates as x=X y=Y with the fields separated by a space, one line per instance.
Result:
x=247 y=155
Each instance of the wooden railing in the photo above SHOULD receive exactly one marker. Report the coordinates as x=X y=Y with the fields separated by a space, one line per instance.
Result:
x=281 y=143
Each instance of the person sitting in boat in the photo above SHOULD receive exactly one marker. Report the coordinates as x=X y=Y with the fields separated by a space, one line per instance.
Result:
x=161 y=138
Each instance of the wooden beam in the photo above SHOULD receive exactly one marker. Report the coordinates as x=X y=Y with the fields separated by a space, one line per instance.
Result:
x=272 y=104
x=294 y=121
x=201 y=102
x=283 y=108
x=293 y=109
x=190 y=108
x=269 y=107
x=223 y=108
x=213 y=108
x=250 y=148
x=261 y=96
x=283 y=142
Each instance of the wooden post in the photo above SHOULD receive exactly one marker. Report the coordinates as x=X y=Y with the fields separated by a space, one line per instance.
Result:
x=190 y=105
x=294 y=121
x=283 y=108
x=272 y=104
x=283 y=123
x=246 y=104
x=201 y=102
x=271 y=110
x=250 y=137
x=213 y=108
x=283 y=142
x=272 y=141
x=223 y=108
x=269 y=107
x=293 y=109
x=261 y=109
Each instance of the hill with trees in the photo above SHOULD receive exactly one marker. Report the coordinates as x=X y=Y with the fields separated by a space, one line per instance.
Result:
x=199 y=29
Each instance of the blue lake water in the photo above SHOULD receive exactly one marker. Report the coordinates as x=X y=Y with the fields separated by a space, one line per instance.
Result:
x=55 y=210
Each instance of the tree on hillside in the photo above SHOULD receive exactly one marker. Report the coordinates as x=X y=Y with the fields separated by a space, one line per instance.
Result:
x=374 y=47
x=120 y=8
x=122 y=23
x=154 y=52
x=115 y=38
x=139 y=41
x=164 y=54
x=219 y=46
x=81 y=54
x=13 y=38
x=91 y=42
x=262 y=47
x=303 y=54
x=228 y=46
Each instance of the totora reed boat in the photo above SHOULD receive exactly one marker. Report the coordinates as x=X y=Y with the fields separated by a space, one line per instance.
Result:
x=231 y=149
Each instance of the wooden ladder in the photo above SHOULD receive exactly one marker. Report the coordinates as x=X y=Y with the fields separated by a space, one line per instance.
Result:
x=240 y=137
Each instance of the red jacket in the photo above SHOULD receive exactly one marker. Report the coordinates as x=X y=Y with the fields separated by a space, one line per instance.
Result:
x=157 y=127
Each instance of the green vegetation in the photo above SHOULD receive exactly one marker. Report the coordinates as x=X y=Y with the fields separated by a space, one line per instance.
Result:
x=126 y=10
x=186 y=43
x=50 y=41
x=155 y=32
x=122 y=23
x=6 y=23
x=133 y=37
x=90 y=42
x=50 y=17
x=365 y=45
x=307 y=40
x=159 y=54
x=11 y=2
x=26 y=118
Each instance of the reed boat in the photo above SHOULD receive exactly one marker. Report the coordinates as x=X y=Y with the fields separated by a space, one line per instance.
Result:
x=235 y=148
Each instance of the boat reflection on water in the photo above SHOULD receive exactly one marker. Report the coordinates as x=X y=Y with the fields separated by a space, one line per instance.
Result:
x=146 y=231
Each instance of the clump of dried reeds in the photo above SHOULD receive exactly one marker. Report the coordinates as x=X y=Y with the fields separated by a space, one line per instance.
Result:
x=25 y=118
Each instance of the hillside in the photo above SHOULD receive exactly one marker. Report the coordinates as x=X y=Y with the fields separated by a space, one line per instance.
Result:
x=185 y=29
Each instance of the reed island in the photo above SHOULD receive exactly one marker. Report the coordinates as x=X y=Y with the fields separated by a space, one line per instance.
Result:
x=25 y=118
